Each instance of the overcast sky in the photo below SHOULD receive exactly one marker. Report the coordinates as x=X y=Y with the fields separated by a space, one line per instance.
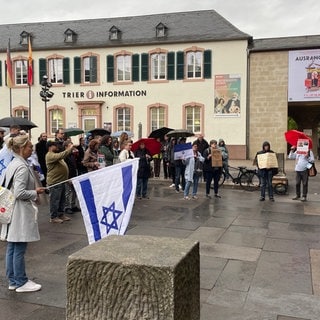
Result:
x=258 y=18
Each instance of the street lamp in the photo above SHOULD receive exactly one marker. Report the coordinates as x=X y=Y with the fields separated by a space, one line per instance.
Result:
x=46 y=95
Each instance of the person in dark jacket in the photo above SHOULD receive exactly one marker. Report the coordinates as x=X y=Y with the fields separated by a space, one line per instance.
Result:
x=143 y=171
x=265 y=175
x=41 y=151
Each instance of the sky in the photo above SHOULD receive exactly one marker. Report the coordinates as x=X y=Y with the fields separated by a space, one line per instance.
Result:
x=258 y=18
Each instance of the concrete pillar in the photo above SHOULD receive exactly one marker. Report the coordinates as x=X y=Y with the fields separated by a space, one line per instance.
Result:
x=135 y=277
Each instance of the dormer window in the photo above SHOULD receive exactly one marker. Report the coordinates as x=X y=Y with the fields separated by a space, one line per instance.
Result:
x=24 y=36
x=161 y=30
x=69 y=36
x=114 y=33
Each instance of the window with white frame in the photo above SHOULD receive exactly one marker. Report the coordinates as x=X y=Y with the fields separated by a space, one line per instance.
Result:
x=21 y=113
x=56 y=120
x=194 y=64
x=123 y=119
x=193 y=118
x=157 y=118
x=90 y=71
x=55 y=70
x=21 y=72
x=158 y=66
x=124 y=68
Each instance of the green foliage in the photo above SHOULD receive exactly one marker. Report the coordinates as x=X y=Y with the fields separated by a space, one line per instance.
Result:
x=292 y=125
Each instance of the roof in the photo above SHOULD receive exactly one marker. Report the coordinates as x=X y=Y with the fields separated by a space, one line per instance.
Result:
x=191 y=26
x=286 y=43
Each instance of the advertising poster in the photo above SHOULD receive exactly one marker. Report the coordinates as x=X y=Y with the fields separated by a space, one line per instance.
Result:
x=304 y=75
x=227 y=95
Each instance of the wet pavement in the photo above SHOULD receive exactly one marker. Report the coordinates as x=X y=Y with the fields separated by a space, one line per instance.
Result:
x=259 y=260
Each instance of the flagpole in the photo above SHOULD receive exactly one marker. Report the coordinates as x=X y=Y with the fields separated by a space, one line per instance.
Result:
x=10 y=97
x=30 y=73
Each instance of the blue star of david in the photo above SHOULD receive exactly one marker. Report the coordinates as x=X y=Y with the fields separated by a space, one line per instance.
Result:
x=108 y=211
x=2 y=166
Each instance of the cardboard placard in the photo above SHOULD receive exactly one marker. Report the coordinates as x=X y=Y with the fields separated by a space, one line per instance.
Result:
x=267 y=160
x=216 y=157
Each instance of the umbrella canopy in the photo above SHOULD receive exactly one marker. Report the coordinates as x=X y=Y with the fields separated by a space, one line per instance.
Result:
x=180 y=133
x=292 y=137
x=151 y=144
x=69 y=132
x=99 y=132
x=24 y=124
x=117 y=134
x=159 y=133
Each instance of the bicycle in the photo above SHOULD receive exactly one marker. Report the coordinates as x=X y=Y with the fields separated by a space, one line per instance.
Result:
x=247 y=178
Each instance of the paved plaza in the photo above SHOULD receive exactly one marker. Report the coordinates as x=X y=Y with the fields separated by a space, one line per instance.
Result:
x=259 y=260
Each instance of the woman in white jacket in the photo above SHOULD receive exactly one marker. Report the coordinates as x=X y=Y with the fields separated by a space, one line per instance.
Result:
x=24 y=226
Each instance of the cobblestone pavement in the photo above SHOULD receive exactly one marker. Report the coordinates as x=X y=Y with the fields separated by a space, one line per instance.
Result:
x=259 y=260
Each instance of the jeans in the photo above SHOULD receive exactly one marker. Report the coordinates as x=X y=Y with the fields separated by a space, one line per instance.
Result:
x=215 y=176
x=195 y=184
x=266 y=182
x=179 y=172
x=15 y=264
x=71 y=197
x=57 y=200
x=302 y=177
x=142 y=187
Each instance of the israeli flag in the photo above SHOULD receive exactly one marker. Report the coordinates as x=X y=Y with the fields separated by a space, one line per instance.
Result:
x=106 y=197
x=183 y=151
x=6 y=156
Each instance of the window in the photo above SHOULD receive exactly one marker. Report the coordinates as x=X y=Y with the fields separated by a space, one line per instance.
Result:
x=158 y=66
x=193 y=118
x=123 y=68
x=21 y=113
x=90 y=69
x=194 y=64
x=21 y=72
x=55 y=70
x=157 y=117
x=56 y=120
x=123 y=119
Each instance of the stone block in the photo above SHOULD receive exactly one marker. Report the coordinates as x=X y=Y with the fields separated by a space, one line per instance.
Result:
x=134 y=277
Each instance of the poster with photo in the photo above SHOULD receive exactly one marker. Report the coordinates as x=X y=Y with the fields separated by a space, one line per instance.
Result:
x=227 y=95
x=303 y=146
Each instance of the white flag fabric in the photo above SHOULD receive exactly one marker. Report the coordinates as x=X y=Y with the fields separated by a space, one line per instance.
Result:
x=183 y=151
x=106 y=198
x=6 y=156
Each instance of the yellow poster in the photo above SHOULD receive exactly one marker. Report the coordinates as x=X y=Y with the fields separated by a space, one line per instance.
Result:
x=216 y=158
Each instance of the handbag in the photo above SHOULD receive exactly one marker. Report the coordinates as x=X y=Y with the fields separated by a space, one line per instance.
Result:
x=7 y=201
x=312 y=171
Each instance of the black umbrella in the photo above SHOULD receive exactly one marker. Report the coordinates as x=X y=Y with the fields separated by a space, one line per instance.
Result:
x=69 y=132
x=24 y=124
x=159 y=133
x=99 y=132
x=180 y=133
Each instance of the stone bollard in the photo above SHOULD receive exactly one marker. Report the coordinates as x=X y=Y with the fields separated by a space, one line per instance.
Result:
x=134 y=278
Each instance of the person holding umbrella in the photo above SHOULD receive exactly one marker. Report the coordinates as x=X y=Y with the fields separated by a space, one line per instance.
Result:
x=301 y=169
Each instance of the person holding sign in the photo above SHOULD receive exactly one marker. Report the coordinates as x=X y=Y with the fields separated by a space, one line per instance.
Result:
x=267 y=163
x=303 y=161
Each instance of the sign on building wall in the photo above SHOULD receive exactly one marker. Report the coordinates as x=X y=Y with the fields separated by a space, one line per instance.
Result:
x=227 y=93
x=304 y=75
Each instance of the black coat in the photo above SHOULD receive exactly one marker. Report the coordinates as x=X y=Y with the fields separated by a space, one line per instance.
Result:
x=144 y=163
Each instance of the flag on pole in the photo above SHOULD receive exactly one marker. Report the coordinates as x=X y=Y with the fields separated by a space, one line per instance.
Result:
x=183 y=151
x=9 y=67
x=106 y=198
x=30 y=71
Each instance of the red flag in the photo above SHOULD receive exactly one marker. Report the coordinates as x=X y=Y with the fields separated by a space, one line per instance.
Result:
x=30 y=71
x=9 y=67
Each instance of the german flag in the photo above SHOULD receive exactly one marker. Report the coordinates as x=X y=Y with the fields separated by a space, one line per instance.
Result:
x=30 y=71
x=9 y=67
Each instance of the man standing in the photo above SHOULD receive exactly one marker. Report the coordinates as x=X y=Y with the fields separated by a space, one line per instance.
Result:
x=41 y=151
x=57 y=173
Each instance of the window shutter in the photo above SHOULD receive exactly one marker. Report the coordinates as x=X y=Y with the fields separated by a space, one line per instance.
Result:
x=66 y=70
x=170 y=65
x=0 y=73
x=93 y=69
x=207 y=64
x=144 y=67
x=42 y=69
x=77 y=69
x=180 y=65
x=110 y=68
x=135 y=67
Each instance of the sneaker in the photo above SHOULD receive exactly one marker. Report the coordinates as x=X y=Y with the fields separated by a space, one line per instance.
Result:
x=194 y=197
x=172 y=185
x=208 y=196
x=64 y=218
x=303 y=199
x=296 y=198
x=261 y=199
x=12 y=287
x=56 y=220
x=177 y=191
x=271 y=199
x=217 y=195
x=29 y=286
x=180 y=187
x=186 y=198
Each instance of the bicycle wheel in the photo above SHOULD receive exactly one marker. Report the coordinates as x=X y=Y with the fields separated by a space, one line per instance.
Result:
x=221 y=180
x=250 y=181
